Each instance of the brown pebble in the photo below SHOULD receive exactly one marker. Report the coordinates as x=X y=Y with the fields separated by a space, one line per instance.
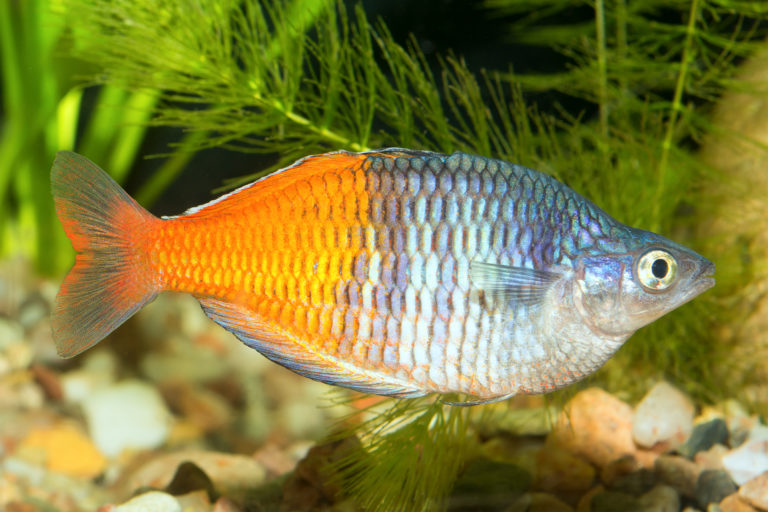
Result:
x=274 y=459
x=678 y=472
x=755 y=491
x=585 y=503
x=543 y=502
x=712 y=458
x=558 y=470
x=734 y=503
x=618 y=468
x=595 y=425
x=224 y=504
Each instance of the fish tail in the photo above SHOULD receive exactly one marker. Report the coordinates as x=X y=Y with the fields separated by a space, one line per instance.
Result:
x=109 y=281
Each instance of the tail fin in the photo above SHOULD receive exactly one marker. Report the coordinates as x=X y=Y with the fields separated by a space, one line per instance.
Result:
x=107 y=284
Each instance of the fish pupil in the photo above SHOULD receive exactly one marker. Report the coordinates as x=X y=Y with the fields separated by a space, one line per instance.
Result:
x=660 y=268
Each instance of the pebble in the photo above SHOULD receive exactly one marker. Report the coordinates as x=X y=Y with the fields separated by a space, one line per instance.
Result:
x=750 y=459
x=595 y=425
x=635 y=483
x=734 y=503
x=679 y=472
x=713 y=486
x=661 y=498
x=229 y=473
x=664 y=415
x=704 y=436
x=127 y=415
x=712 y=458
x=618 y=468
x=755 y=491
x=154 y=501
x=558 y=470
x=97 y=372
x=63 y=449
x=539 y=502
x=613 y=501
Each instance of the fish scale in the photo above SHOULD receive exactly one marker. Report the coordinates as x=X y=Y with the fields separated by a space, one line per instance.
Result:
x=396 y=272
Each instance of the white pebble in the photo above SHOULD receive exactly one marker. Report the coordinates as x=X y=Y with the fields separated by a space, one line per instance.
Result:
x=664 y=415
x=751 y=458
x=153 y=501
x=130 y=415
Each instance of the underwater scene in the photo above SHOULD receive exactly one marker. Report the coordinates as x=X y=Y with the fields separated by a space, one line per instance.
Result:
x=289 y=255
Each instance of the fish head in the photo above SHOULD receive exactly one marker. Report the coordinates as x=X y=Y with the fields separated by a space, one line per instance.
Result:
x=618 y=293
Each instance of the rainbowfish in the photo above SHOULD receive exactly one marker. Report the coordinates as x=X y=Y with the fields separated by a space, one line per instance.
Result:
x=394 y=272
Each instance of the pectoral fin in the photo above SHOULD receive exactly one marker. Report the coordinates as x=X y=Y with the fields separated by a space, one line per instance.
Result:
x=519 y=284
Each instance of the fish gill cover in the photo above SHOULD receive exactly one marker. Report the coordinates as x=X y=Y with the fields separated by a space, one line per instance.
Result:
x=303 y=77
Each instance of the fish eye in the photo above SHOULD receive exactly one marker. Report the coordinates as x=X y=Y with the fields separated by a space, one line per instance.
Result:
x=656 y=270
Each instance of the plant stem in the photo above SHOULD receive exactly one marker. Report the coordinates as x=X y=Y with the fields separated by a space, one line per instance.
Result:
x=602 y=75
x=677 y=107
x=307 y=123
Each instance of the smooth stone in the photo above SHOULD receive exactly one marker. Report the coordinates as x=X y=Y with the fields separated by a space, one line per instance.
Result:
x=635 y=483
x=755 y=491
x=751 y=458
x=661 y=498
x=618 y=468
x=97 y=372
x=490 y=483
x=225 y=504
x=559 y=470
x=595 y=425
x=230 y=474
x=127 y=415
x=664 y=415
x=613 y=501
x=585 y=502
x=704 y=436
x=195 y=501
x=734 y=503
x=713 y=486
x=150 y=502
x=712 y=458
x=65 y=449
x=539 y=502
x=678 y=472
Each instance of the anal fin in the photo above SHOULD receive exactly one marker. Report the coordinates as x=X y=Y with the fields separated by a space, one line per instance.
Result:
x=470 y=403
x=290 y=353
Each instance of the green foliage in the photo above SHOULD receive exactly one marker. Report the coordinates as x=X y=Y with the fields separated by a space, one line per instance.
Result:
x=414 y=450
x=42 y=111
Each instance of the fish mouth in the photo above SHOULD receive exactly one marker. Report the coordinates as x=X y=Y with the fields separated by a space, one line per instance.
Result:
x=703 y=280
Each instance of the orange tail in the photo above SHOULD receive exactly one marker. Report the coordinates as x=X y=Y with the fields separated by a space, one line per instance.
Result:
x=108 y=282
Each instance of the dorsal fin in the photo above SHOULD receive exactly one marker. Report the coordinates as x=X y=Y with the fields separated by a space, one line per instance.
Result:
x=278 y=180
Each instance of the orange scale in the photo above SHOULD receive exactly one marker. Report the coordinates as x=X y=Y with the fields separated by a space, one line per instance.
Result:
x=347 y=181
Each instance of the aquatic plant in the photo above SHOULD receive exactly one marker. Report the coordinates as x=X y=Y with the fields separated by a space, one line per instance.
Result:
x=301 y=77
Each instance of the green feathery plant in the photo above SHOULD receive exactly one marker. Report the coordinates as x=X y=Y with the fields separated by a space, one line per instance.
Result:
x=298 y=77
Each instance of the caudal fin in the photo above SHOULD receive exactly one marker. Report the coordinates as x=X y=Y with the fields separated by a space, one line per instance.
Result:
x=108 y=283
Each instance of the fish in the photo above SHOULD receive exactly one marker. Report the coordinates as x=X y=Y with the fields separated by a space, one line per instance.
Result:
x=394 y=272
